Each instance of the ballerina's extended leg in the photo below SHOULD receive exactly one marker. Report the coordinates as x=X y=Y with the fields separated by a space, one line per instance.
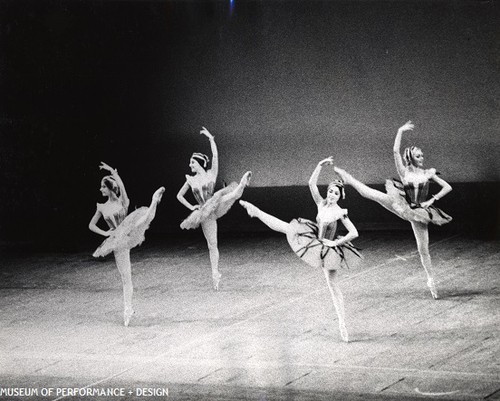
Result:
x=364 y=190
x=150 y=215
x=236 y=193
x=338 y=301
x=272 y=222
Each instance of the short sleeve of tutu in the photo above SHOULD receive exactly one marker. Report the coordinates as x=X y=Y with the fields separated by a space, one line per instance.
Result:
x=431 y=173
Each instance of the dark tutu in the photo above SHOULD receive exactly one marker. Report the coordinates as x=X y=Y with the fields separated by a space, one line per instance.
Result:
x=403 y=209
x=126 y=235
x=213 y=208
x=303 y=239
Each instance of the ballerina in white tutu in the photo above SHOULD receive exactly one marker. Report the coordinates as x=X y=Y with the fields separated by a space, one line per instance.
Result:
x=407 y=198
x=211 y=206
x=317 y=243
x=125 y=232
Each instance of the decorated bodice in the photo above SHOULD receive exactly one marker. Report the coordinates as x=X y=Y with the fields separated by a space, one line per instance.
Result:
x=327 y=219
x=202 y=191
x=416 y=186
x=113 y=213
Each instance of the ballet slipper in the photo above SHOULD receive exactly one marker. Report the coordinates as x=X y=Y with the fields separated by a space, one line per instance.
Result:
x=216 y=276
x=127 y=315
x=252 y=210
x=344 y=175
x=245 y=180
x=158 y=195
x=432 y=287
x=343 y=333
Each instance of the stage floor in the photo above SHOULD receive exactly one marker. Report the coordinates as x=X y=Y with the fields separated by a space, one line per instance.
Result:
x=270 y=333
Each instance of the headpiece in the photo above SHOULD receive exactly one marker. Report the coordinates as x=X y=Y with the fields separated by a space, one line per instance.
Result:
x=408 y=156
x=201 y=158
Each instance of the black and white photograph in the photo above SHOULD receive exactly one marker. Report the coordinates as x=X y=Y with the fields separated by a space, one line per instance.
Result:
x=254 y=200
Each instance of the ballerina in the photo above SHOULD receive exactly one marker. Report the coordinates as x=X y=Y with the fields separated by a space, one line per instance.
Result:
x=211 y=206
x=125 y=232
x=317 y=243
x=408 y=198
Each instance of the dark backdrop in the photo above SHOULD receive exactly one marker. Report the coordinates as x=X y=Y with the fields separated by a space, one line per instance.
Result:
x=281 y=84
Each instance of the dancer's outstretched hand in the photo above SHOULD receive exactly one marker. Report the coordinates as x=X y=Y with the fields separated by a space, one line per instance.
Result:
x=104 y=166
x=407 y=127
x=328 y=160
x=205 y=132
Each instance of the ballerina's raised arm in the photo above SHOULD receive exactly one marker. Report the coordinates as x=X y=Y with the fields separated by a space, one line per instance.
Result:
x=214 y=169
x=313 y=181
x=400 y=167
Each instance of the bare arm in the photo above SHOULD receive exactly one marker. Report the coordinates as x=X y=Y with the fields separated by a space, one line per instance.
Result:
x=397 y=148
x=313 y=181
x=93 y=225
x=215 y=154
x=123 y=193
x=445 y=189
x=181 y=199
x=352 y=233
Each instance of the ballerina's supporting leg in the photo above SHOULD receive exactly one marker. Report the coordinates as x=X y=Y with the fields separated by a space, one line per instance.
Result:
x=364 y=190
x=422 y=237
x=122 y=259
x=209 y=228
x=272 y=222
x=338 y=301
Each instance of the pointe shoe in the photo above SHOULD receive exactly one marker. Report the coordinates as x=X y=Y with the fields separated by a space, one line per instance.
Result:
x=432 y=287
x=158 y=195
x=216 y=280
x=251 y=209
x=344 y=175
x=343 y=333
x=245 y=180
x=127 y=315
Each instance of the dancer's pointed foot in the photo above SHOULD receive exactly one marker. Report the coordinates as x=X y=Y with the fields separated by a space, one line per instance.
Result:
x=432 y=287
x=158 y=194
x=127 y=315
x=216 y=276
x=343 y=333
x=344 y=175
x=245 y=180
x=252 y=210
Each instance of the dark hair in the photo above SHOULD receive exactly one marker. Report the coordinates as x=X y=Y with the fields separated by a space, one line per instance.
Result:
x=340 y=185
x=111 y=184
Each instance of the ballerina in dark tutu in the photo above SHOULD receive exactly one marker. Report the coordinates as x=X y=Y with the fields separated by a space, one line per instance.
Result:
x=211 y=206
x=317 y=243
x=125 y=232
x=407 y=197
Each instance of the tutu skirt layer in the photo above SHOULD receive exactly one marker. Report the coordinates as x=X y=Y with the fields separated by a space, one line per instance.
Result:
x=127 y=235
x=214 y=208
x=303 y=239
x=403 y=209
